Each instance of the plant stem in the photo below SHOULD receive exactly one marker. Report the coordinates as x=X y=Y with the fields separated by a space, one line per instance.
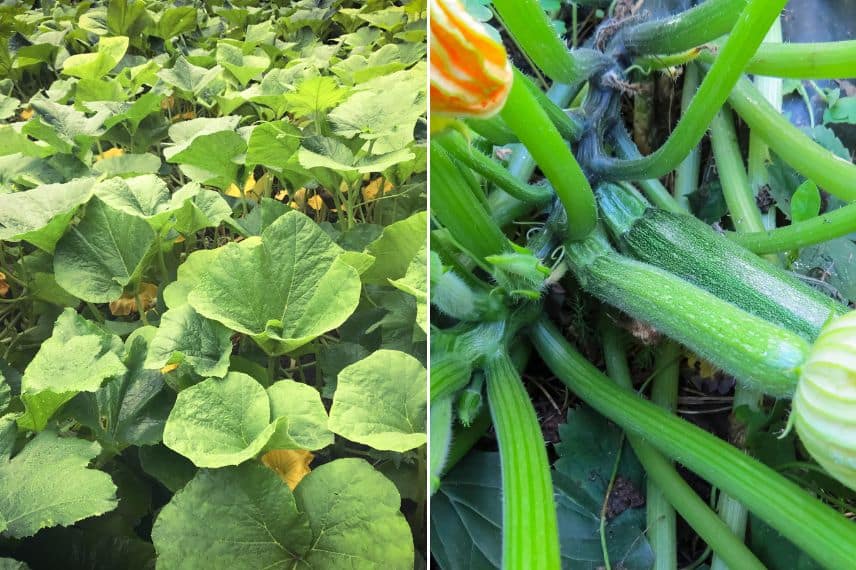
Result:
x=687 y=173
x=662 y=474
x=528 y=509
x=821 y=532
x=530 y=27
x=747 y=34
x=530 y=122
x=457 y=208
x=495 y=173
x=826 y=169
x=828 y=226
x=503 y=207
x=828 y=60
x=685 y=30
x=652 y=187
x=569 y=126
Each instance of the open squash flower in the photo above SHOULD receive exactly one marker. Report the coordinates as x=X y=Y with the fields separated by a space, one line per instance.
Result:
x=470 y=72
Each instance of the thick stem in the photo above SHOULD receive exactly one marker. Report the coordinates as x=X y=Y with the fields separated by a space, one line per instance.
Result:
x=745 y=38
x=825 y=227
x=528 y=509
x=829 y=60
x=820 y=531
x=687 y=173
x=662 y=474
x=686 y=30
x=825 y=168
x=457 y=208
x=530 y=122
x=651 y=187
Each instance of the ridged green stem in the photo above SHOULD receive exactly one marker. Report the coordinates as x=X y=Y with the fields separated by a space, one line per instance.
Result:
x=449 y=373
x=530 y=534
x=827 y=60
x=821 y=532
x=662 y=474
x=530 y=122
x=503 y=207
x=834 y=224
x=745 y=38
x=825 y=168
x=687 y=173
x=493 y=129
x=570 y=127
x=528 y=24
x=651 y=187
x=458 y=209
x=685 y=30
x=494 y=172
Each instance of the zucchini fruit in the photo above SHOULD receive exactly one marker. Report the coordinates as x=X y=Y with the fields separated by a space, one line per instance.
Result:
x=756 y=352
x=689 y=248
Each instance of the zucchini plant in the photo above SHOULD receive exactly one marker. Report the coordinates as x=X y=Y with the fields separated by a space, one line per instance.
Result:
x=600 y=255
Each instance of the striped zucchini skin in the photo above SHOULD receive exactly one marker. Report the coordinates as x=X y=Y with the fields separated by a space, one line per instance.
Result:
x=689 y=248
x=824 y=405
x=757 y=353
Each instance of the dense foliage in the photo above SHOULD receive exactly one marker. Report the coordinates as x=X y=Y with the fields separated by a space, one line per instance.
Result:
x=212 y=284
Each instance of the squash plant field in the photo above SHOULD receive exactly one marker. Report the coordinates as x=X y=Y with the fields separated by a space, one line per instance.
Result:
x=212 y=284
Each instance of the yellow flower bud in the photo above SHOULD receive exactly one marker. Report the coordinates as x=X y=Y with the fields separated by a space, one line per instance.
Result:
x=470 y=72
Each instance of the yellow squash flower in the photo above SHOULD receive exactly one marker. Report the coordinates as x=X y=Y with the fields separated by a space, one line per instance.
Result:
x=470 y=72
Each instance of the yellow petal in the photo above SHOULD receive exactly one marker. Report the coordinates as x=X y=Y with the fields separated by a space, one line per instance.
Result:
x=291 y=465
x=470 y=71
x=168 y=368
x=250 y=189
x=315 y=202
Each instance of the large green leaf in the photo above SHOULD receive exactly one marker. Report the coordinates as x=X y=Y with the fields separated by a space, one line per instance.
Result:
x=301 y=420
x=127 y=410
x=243 y=66
x=343 y=514
x=284 y=288
x=200 y=209
x=220 y=422
x=78 y=357
x=102 y=254
x=315 y=95
x=41 y=215
x=47 y=484
x=206 y=149
x=63 y=127
x=324 y=152
x=272 y=144
x=398 y=380
x=175 y=21
x=144 y=196
x=396 y=247
x=415 y=282
x=96 y=65
x=184 y=336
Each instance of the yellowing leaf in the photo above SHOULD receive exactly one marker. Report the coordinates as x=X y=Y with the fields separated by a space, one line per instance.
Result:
x=4 y=287
x=168 y=103
x=315 y=202
x=127 y=303
x=281 y=194
x=184 y=116
x=299 y=198
x=291 y=465
x=372 y=189
x=168 y=368
x=110 y=153
x=26 y=114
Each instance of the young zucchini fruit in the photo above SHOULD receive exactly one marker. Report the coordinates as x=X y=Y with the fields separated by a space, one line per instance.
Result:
x=824 y=406
x=689 y=248
x=756 y=352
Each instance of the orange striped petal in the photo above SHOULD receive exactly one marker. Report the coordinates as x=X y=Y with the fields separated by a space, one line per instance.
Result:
x=470 y=72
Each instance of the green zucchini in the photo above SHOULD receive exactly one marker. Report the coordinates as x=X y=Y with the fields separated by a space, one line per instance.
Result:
x=689 y=248
x=756 y=352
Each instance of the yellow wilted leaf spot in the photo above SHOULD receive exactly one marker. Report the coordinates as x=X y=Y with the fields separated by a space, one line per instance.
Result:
x=168 y=103
x=4 y=287
x=179 y=239
x=26 y=114
x=315 y=202
x=168 y=368
x=281 y=194
x=372 y=189
x=110 y=153
x=250 y=189
x=299 y=198
x=127 y=303
x=343 y=187
x=291 y=465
